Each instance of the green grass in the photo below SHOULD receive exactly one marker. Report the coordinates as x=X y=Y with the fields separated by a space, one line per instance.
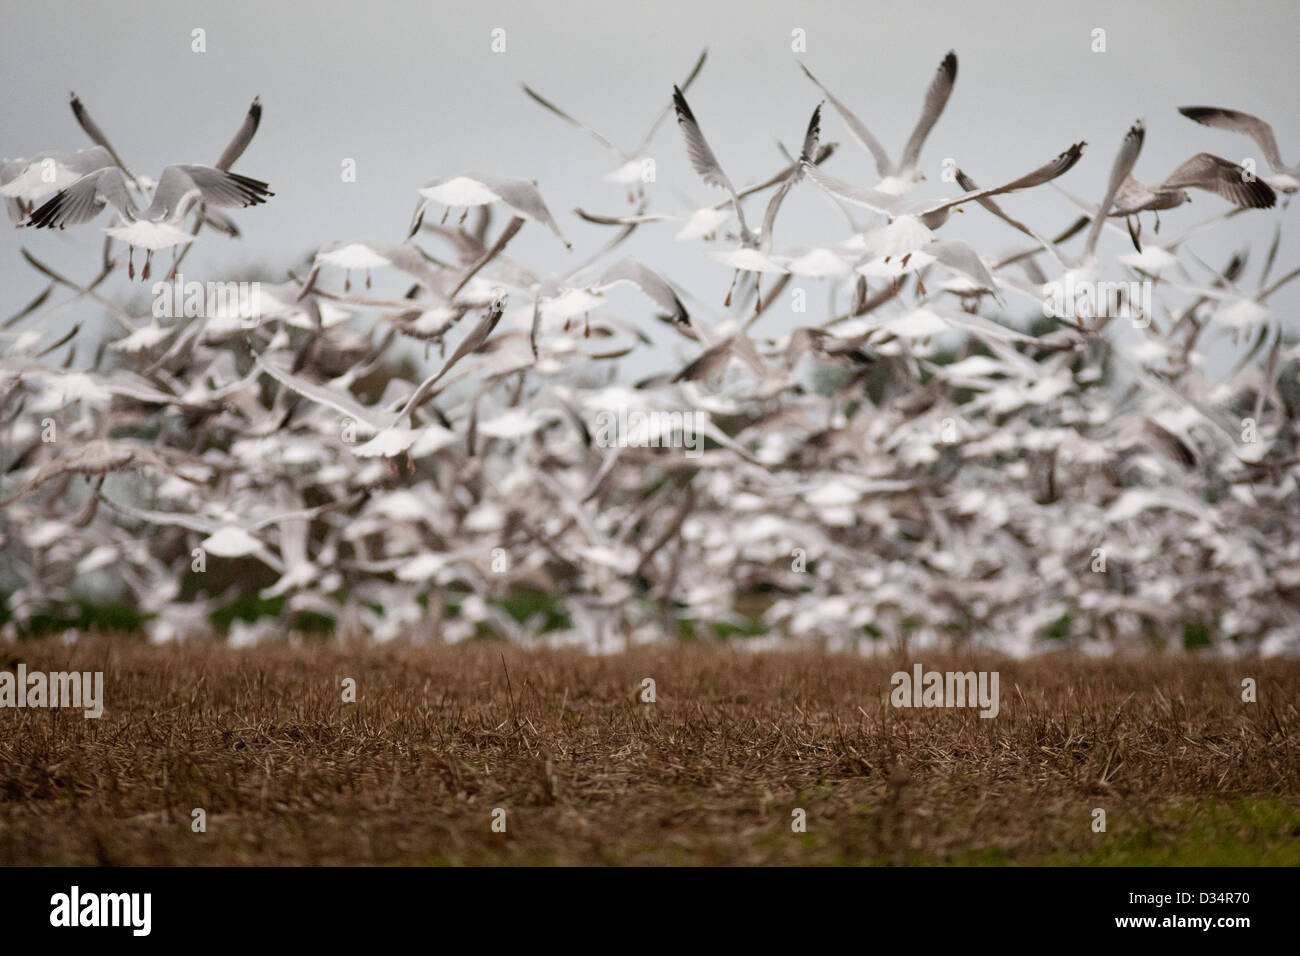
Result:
x=1247 y=831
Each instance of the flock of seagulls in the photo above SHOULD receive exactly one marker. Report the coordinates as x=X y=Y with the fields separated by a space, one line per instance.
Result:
x=915 y=465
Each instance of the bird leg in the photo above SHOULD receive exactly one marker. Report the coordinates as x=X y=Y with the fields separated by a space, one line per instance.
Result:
x=734 y=276
x=463 y=216
x=347 y=280
x=1157 y=222
x=148 y=258
x=446 y=212
x=171 y=276
x=367 y=278
x=130 y=262
x=758 y=294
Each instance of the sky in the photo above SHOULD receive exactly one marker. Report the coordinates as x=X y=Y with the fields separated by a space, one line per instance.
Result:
x=414 y=90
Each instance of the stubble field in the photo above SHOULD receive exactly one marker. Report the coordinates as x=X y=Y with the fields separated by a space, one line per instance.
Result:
x=712 y=772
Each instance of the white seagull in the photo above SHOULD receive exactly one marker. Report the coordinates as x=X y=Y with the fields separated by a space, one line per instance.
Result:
x=629 y=171
x=899 y=178
x=180 y=188
x=474 y=190
x=753 y=254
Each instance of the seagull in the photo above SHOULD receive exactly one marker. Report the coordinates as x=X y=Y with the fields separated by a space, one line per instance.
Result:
x=566 y=297
x=474 y=190
x=1287 y=179
x=933 y=214
x=228 y=157
x=630 y=170
x=1203 y=171
x=911 y=225
x=25 y=182
x=406 y=257
x=180 y=188
x=752 y=256
x=898 y=179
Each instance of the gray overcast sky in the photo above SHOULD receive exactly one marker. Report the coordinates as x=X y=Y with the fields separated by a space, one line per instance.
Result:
x=412 y=90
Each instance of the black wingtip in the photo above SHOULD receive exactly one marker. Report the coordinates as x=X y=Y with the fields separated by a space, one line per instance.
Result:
x=684 y=114
x=1262 y=194
x=44 y=215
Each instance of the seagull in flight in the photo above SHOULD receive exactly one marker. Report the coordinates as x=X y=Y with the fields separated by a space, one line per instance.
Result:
x=912 y=224
x=934 y=213
x=180 y=189
x=629 y=171
x=897 y=179
x=1129 y=197
x=521 y=196
x=1287 y=178
x=753 y=254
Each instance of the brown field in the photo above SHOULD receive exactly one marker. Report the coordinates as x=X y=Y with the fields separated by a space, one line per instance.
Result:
x=709 y=774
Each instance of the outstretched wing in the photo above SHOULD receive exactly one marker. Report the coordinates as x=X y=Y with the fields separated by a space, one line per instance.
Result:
x=1239 y=122
x=1124 y=162
x=243 y=137
x=650 y=283
x=663 y=114
x=180 y=186
x=603 y=140
x=968 y=184
x=94 y=132
x=703 y=161
x=1043 y=174
x=1226 y=179
x=524 y=198
x=936 y=98
x=84 y=200
x=807 y=156
x=857 y=128
x=871 y=199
